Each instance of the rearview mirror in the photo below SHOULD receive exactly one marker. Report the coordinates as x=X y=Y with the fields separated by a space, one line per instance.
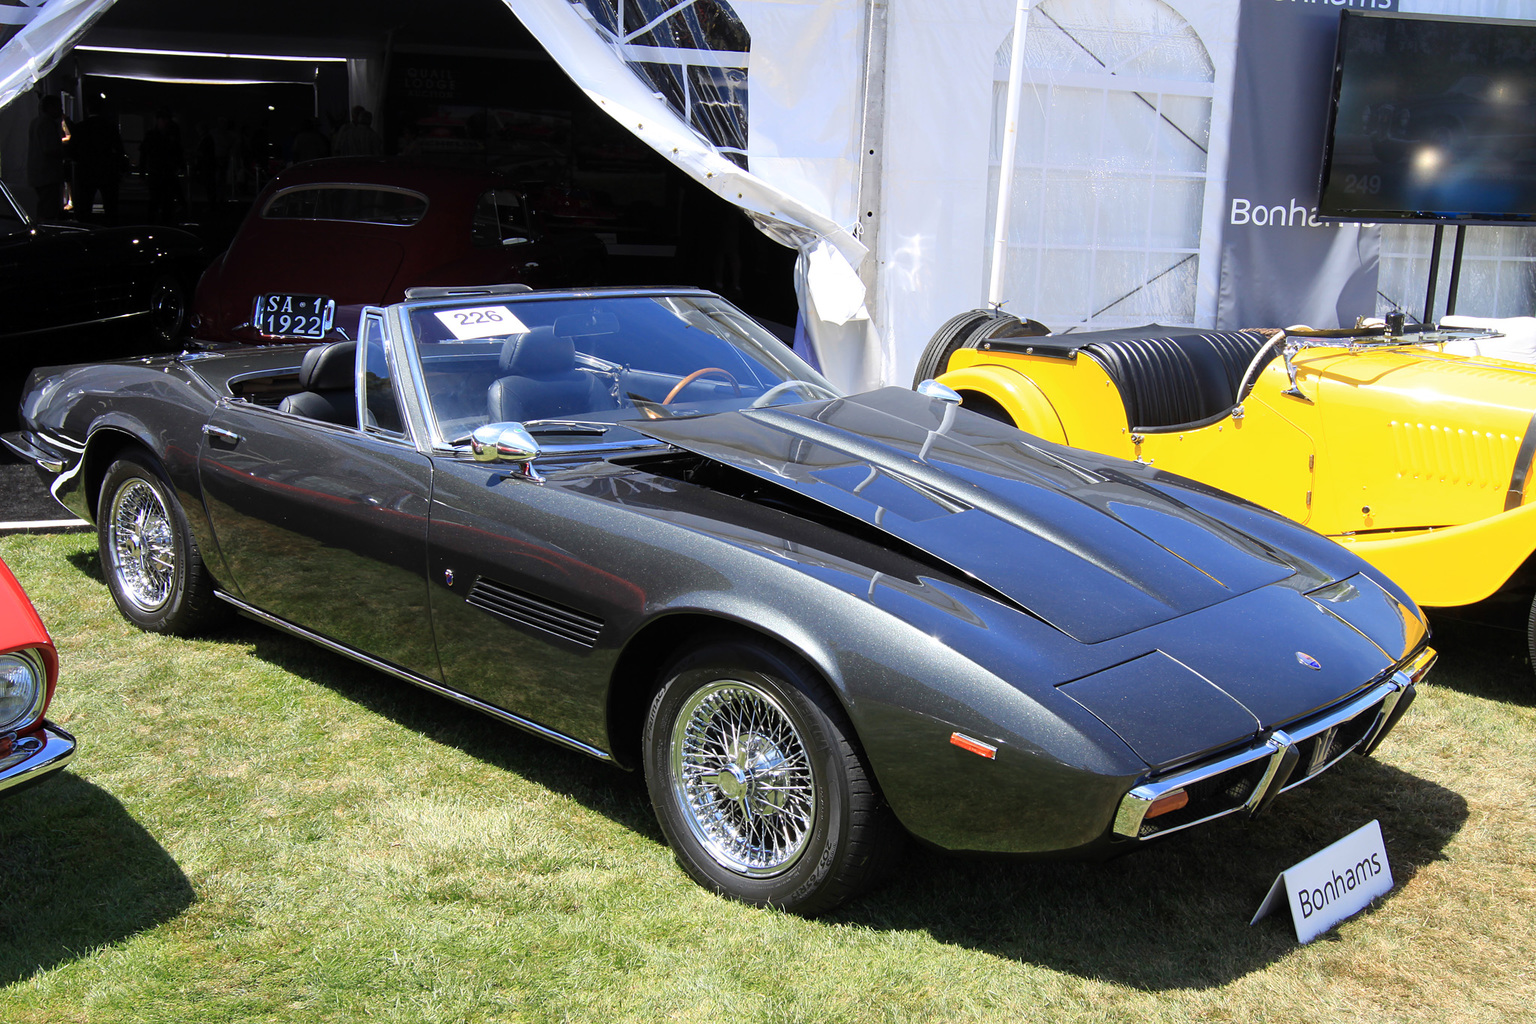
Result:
x=506 y=443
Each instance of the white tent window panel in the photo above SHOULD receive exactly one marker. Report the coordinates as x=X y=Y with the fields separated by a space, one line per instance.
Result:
x=1498 y=270
x=693 y=53
x=1109 y=189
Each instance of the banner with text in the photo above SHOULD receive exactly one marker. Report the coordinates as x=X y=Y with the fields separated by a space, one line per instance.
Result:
x=1279 y=264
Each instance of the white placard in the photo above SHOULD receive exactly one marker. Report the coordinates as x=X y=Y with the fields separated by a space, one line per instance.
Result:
x=481 y=322
x=1332 y=884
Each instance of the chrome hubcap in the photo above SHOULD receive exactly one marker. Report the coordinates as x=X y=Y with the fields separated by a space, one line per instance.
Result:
x=142 y=544
x=165 y=309
x=742 y=777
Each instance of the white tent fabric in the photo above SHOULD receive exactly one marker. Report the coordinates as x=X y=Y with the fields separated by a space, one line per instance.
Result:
x=44 y=32
x=803 y=211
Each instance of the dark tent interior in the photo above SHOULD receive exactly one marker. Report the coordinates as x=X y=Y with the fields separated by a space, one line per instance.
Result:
x=460 y=81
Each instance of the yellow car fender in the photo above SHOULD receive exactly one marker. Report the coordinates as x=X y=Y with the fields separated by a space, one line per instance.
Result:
x=1018 y=396
x=1455 y=565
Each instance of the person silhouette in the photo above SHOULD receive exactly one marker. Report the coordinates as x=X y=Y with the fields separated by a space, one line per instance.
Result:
x=96 y=147
x=46 y=166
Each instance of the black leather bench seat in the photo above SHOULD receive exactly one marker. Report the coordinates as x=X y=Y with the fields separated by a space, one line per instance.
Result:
x=1167 y=376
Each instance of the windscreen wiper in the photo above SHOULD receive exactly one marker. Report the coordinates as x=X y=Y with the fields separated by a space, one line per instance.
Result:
x=555 y=426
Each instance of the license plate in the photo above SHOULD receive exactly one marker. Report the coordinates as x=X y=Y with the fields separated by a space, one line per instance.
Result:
x=280 y=315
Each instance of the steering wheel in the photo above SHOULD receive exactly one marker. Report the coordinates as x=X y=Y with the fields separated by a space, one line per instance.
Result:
x=783 y=386
x=695 y=375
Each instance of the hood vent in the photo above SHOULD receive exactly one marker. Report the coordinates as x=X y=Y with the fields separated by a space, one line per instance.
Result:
x=535 y=613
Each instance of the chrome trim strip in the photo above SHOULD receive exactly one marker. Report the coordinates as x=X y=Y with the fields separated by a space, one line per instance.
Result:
x=57 y=749
x=558 y=452
x=598 y=291
x=1522 y=468
x=410 y=677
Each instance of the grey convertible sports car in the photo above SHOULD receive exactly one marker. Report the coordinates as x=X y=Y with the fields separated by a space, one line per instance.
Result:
x=633 y=523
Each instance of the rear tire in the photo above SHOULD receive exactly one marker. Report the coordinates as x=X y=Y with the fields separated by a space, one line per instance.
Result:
x=1530 y=638
x=148 y=554
x=759 y=784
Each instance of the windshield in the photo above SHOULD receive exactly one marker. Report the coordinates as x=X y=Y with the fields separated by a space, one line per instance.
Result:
x=587 y=365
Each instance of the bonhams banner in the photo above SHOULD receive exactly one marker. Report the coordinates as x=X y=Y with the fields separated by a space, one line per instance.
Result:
x=1279 y=264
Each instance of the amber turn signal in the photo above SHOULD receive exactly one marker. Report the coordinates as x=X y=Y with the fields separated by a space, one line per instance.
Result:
x=1167 y=802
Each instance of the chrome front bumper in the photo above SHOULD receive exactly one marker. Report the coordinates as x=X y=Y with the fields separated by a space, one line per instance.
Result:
x=33 y=758
x=1246 y=781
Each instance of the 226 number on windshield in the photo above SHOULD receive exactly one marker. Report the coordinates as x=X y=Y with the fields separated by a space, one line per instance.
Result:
x=481 y=322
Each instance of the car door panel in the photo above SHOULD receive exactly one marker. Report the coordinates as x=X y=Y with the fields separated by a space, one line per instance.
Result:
x=526 y=610
x=324 y=526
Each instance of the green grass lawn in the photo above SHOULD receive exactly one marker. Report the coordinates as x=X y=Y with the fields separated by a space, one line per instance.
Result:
x=255 y=830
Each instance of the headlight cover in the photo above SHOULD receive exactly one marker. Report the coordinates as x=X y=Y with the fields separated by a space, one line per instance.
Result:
x=23 y=688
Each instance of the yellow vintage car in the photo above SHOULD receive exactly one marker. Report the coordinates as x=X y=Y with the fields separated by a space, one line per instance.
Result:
x=1417 y=459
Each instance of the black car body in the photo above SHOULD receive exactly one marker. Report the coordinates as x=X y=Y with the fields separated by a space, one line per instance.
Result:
x=56 y=276
x=592 y=515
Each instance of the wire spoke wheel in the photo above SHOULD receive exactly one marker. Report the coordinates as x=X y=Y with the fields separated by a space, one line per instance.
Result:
x=142 y=543
x=743 y=778
x=758 y=781
x=148 y=553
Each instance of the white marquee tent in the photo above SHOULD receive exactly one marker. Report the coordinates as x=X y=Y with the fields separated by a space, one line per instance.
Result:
x=875 y=132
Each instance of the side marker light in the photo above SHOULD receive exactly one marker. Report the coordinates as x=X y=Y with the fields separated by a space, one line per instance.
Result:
x=1167 y=802
x=976 y=747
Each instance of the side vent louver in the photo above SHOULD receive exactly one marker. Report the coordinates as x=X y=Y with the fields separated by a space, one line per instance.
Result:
x=522 y=609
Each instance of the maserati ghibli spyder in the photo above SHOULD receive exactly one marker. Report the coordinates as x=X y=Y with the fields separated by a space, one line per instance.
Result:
x=633 y=523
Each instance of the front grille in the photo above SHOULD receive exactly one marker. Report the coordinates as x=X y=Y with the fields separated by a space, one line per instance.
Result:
x=523 y=609
x=1321 y=751
x=1247 y=779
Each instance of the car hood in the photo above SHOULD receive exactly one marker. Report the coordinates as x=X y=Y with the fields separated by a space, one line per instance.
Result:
x=1094 y=546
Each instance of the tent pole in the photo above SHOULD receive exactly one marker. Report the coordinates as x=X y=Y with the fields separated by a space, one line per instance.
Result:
x=1009 y=155
x=872 y=143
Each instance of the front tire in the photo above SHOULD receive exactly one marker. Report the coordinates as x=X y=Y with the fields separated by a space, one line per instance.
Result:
x=148 y=554
x=758 y=783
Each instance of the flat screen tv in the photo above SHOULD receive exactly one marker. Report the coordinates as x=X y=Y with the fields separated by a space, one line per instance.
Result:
x=1433 y=119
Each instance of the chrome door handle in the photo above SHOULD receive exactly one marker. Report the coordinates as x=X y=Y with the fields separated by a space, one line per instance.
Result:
x=221 y=438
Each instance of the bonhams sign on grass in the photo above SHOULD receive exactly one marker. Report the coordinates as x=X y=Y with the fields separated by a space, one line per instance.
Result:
x=1332 y=884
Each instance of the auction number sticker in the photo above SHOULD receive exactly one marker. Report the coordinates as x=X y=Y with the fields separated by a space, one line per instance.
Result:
x=481 y=322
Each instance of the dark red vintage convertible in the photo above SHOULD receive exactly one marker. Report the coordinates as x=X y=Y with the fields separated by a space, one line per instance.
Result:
x=327 y=237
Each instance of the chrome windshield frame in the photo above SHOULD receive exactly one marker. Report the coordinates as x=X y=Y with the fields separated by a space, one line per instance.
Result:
x=426 y=430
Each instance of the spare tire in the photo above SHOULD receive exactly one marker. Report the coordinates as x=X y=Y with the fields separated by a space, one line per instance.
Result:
x=965 y=331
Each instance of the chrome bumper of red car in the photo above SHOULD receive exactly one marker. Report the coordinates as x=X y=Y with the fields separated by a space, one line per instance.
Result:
x=1246 y=781
x=32 y=758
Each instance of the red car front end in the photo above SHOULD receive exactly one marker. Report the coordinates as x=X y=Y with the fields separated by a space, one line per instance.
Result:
x=31 y=747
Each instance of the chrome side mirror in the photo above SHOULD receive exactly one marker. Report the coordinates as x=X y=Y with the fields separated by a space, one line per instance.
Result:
x=506 y=442
x=931 y=388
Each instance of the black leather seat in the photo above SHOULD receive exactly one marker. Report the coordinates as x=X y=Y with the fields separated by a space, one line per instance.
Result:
x=1174 y=379
x=539 y=380
x=328 y=376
